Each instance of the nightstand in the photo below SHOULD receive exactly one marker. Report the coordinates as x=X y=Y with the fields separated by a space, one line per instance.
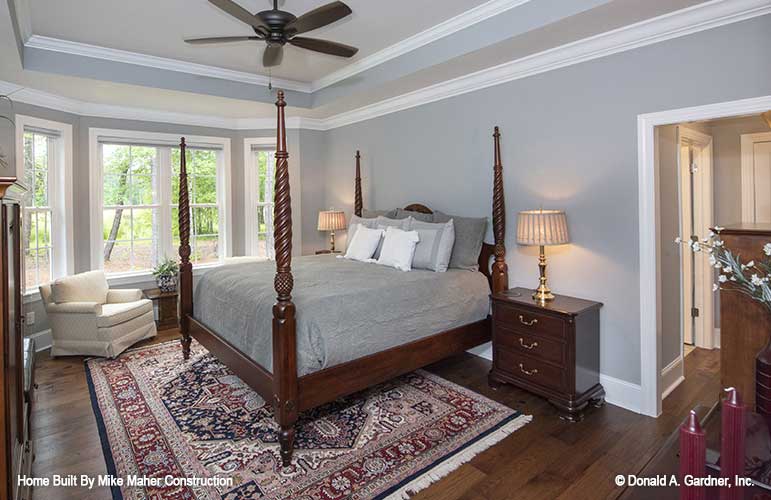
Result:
x=324 y=252
x=552 y=350
x=167 y=308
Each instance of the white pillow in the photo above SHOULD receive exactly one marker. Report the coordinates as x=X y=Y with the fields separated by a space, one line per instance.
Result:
x=364 y=243
x=398 y=248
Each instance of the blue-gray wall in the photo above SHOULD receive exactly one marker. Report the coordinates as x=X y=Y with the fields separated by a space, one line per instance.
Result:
x=569 y=142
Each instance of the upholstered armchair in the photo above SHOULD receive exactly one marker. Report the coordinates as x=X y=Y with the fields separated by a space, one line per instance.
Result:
x=87 y=318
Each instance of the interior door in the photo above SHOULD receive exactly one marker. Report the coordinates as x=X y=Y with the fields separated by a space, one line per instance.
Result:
x=756 y=178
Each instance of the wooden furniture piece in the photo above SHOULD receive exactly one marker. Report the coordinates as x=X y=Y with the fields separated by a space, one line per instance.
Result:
x=326 y=252
x=167 y=307
x=745 y=325
x=549 y=348
x=14 y=418
x=290 y=393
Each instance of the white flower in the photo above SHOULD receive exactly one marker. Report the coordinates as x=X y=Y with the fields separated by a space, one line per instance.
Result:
x=756 y=280
x=711 y=234
x=767 y=248
x=727 y=269
x=695 y=246
x=678 y=240
x=712 y=260
x=718 y=229
x=750 y=264
x=722 y=278
x=715 y=287
x=718 y=243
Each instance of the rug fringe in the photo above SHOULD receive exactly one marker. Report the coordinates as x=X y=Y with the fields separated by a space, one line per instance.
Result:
x=448 y=466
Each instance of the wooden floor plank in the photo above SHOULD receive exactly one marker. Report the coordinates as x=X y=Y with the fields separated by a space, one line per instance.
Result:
x=548 y=458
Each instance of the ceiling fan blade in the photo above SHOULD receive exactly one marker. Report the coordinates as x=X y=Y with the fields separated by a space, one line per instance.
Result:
x=239 y=13
x=272 y=56
x=221 y=39
x=324 y=46
x=326 y=14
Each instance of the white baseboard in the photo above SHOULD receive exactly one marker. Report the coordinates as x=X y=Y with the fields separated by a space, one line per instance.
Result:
x=43 y=340
x=617 y=392
x=671 y=376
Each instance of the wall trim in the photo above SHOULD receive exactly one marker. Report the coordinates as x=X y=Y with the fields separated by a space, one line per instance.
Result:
x=24 y=19
x=127 y=57
x=453 y=25
x=672 y=375
x=650 y=340
x=676 y=24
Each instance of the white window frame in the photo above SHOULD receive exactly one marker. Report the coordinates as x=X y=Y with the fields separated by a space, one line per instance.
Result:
x=251 y=190
x=59 y=192
x=172 y=140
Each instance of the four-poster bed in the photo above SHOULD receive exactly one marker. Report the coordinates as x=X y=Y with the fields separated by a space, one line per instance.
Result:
x=293 y=389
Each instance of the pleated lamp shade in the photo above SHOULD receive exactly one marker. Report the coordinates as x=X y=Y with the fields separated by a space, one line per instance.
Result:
x=542 y=227
x=331 y=220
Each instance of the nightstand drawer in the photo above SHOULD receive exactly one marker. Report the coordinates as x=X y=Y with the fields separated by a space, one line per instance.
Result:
x=538 y=347
x=531 y=369
x=525 y=320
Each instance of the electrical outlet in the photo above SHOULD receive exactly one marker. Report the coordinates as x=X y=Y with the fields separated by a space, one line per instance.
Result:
x=29 y=318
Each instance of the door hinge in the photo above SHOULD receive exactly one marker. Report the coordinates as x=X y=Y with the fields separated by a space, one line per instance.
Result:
x=694 y=312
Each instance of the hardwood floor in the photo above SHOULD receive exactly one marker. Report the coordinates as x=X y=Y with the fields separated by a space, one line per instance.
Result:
x=548 y=458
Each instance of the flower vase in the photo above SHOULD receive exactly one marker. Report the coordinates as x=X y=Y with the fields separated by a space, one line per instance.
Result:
x=167 y=283
x=763 y=380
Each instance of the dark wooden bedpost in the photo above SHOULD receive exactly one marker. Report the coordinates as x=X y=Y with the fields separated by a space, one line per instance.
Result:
x=185 y=268
x=357 y=203
x=500 y=270
x=285 y=383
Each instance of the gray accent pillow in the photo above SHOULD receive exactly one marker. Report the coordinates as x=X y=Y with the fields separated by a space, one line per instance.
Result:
x=469 y=236
x=373 y=214
x=403 y=214
x=435 y=246
x=383 y=223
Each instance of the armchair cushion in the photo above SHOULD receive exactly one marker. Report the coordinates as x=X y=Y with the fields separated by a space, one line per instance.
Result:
x=75 y=308
x=84 y=287
x=123 y=295
x=115 y=314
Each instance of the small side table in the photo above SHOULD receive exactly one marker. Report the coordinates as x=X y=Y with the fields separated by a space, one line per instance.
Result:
x=325 y=252
x=167 y=308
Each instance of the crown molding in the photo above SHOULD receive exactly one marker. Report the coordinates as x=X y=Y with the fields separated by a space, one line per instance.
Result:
x=694 y=19
x=441 y=30
x=676 y=24
x=127 y=57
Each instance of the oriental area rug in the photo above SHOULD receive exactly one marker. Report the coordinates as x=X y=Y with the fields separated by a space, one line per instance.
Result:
x=172 y=429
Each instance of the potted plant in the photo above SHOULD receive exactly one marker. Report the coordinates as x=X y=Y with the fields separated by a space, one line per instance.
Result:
x=166 y=275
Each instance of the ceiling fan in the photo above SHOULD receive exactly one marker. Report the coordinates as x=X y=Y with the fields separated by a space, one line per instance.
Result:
x=278 y=27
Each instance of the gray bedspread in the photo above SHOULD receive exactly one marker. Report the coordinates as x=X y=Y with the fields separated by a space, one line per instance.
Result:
x=345 y=309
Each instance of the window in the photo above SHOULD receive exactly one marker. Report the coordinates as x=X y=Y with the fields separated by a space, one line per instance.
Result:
x=260 y=183
x=139 y=196
x=44 y=165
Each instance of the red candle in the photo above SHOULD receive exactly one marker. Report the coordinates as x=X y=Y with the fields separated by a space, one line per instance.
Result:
x=693 y=457
x=732 y=444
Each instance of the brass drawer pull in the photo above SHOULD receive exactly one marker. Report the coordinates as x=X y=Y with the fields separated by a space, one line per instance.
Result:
x=527 y=323
x=532 y=372
x=531 y=346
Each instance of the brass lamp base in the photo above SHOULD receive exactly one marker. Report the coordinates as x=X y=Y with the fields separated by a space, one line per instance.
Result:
x=542 y=293
x=332 y=242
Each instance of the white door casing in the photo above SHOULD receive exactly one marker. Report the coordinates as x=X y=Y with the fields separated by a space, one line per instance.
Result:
x=756 y=177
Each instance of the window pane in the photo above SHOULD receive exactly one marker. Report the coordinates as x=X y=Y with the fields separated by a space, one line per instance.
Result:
x=40 y=188
x=117 y=257
x=206 y=249
x=115 y=159
x=44 y=265
x=202 y=162
x=205 y=220
x=142 y=190
x=43 y=228
x=262 y=246
x=145 y=223
x=30 y=268
x=117 y=224
x=115 y=189
x=203 y=189
x=142 y=160
x=41 y=152
x=144 y=255
x=29 y=163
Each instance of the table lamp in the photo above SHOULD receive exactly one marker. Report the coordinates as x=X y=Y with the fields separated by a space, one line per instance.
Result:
x=331 y=220
x=542 y=227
